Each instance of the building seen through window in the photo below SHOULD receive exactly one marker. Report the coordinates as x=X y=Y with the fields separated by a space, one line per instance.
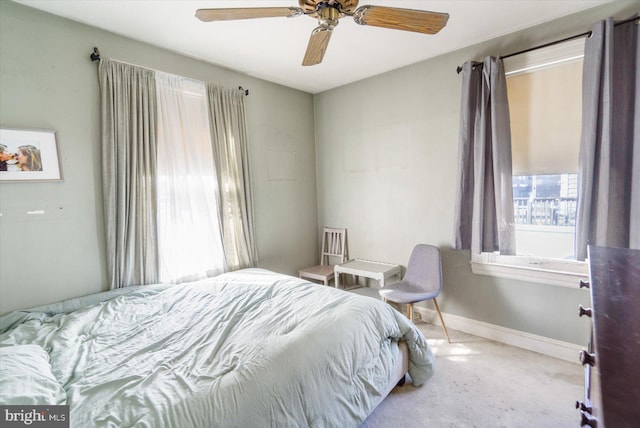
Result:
x=545 y=213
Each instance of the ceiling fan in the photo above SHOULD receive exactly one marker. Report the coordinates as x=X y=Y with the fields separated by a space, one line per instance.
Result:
x=328 y=12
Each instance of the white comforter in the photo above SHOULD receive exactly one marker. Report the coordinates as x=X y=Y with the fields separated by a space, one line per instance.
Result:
x=246 y=349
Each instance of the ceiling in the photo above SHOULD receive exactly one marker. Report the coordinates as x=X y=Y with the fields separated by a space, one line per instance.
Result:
x=272 y=48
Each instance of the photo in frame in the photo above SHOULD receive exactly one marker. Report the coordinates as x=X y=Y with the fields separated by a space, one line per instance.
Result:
x=28 y=155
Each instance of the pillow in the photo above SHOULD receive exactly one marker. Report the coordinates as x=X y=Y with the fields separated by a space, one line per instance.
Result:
x=26 y=377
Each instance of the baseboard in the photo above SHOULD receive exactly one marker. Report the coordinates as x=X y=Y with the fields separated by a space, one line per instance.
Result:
x=543 y=345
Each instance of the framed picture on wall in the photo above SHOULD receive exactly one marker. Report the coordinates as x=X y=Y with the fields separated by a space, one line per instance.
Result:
x=28 y=155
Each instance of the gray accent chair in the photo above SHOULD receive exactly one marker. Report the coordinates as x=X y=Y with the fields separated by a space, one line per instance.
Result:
x=422 y=281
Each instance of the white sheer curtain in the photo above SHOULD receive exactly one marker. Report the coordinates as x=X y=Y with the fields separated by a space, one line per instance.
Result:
x=189 y=238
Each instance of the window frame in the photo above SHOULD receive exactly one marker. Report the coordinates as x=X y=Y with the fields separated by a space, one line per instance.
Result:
x=556 y=272
x=563 y=273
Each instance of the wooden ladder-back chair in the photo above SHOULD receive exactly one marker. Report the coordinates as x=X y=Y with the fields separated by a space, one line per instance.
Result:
x=334 y=245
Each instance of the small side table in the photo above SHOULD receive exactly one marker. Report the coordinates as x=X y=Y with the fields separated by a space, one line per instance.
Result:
x=379 y=271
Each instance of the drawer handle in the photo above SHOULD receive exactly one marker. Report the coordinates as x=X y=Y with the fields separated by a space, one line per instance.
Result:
x=583 y=407
x=585 y=311
x=584 y=284
x=587 y=420
x=587 y=358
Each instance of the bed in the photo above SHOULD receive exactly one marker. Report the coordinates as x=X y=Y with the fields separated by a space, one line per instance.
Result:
x=250 y=348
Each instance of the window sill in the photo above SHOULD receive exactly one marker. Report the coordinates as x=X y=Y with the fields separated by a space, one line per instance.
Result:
x=563 y=273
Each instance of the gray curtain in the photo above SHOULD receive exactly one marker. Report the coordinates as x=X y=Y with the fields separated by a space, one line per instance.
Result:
x=608 y=212
x=128 y=104
x=484 y=219
x=230 y=152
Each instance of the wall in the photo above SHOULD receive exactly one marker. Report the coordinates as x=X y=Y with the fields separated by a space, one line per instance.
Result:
x=48 y=82
x=387 y=171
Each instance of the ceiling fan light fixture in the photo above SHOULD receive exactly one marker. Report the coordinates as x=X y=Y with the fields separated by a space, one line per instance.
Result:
x=328 y=14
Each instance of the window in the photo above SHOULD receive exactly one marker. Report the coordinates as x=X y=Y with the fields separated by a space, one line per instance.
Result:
x=545 y=105
x=545 y=212
x=189 y=238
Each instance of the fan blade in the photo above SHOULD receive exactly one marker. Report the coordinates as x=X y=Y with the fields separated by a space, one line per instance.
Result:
x=419 y=21
x=317 y=45
x=208 y=15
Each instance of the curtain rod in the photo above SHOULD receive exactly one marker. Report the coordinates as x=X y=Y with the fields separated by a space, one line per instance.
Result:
x=95 y=56
x=566 y=39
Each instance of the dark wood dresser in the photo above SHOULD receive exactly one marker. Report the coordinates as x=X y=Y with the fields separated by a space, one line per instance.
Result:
x=612 y=358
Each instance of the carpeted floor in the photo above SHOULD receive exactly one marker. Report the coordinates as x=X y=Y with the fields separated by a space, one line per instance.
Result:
x=485 y=384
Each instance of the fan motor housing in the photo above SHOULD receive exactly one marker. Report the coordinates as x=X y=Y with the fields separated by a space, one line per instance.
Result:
x=311 y=7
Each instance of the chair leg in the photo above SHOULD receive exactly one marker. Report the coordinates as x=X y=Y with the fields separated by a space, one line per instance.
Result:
x=410 y=311
x=444 y=327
